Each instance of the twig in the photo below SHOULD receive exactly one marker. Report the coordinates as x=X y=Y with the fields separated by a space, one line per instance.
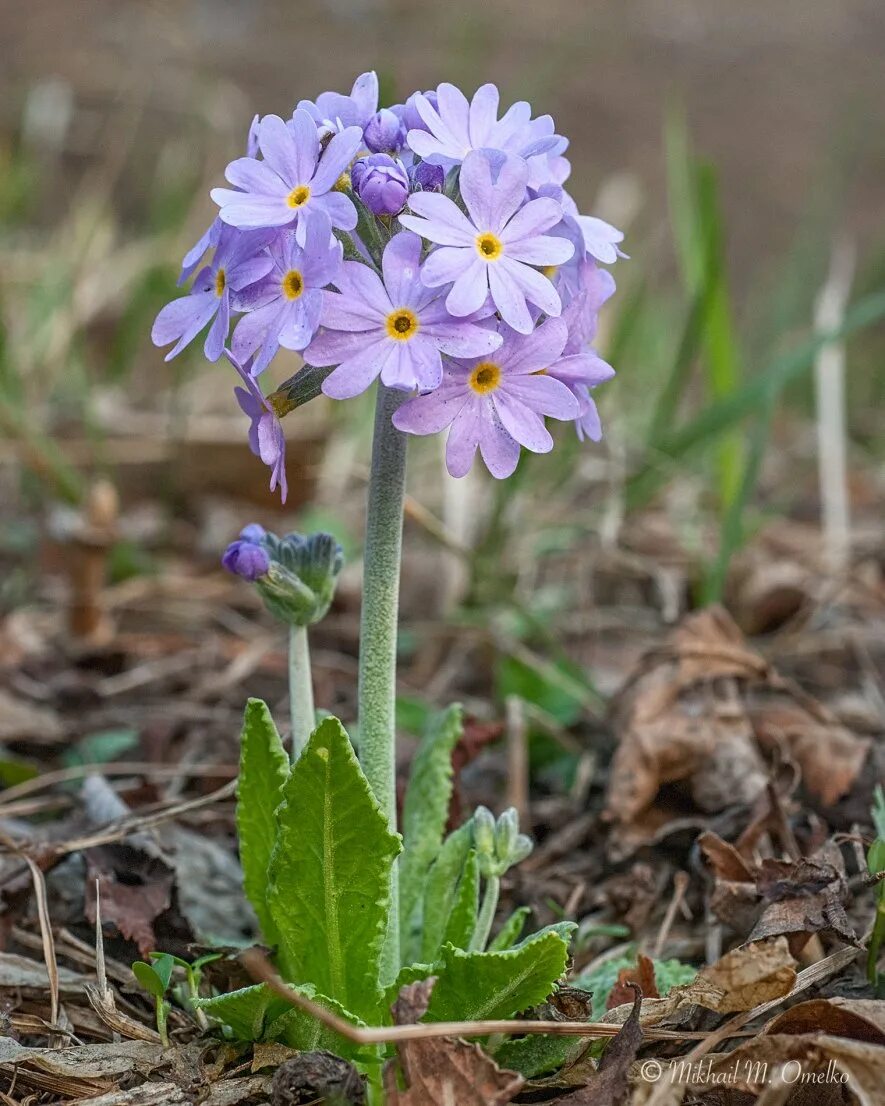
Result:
x=680 y=886
x=121 y=768
x=259 y=967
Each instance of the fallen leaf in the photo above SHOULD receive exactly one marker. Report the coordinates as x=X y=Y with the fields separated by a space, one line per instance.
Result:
x=442 y=1071
x=610 y=1085
x=704 y=711
x=860 y=1019
x=642 y=975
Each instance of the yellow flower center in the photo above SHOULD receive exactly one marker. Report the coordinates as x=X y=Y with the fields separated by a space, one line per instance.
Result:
x=485 y=378
x=292 y=284
x=220 y=282
x=299 y=196
x=489 y=247
x=549 y=271
x=402 y=324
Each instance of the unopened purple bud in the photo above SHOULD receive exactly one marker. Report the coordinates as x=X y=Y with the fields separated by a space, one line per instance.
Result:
x=384 y=132
x=254 y=532
x=382 y=183
x=412 y=121
x=428 y=178
x=246 y=559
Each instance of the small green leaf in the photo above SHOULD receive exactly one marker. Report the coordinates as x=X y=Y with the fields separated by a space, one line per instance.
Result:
x=246 y=1011
x=425 y=812
x=149 y=979
x=411 y=973
x=462 y=920
x=264 y=767
x=441 y=888
x=329 y=891
x=472 y=986
x=534 y=1056
x=300 y=1030
x=511 y=930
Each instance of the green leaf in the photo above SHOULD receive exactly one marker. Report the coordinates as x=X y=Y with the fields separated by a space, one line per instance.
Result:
x=264 y=768
x=154 y=978
x=300 y=1030
x=247 y=1011
x=441 y=888
x=329 y=893
x=462 y=920
x=511 y=930
x=410 y=973
x=534 y=1056
x=472 y=986
x=425 y=812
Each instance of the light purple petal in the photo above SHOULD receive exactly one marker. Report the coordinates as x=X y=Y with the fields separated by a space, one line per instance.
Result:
x=305 y=145
x=300 y=321
x=433 y=412
x=363 y=288
x=336 y=157
x=590 y=425
x=239 y=209
x=538 y=350
x=483 y=115
x=400 y=265
x=469 y=291
x=544 y=395
x=464 y=436
x=499 y=450
x=533 y=219
x=331 y=347
x=446 y=263
x=536 y=288
x=543 y=250
x=338 y=207
x=444 y=223
x=183 y=319
x=509 y=298
x=462 y=339
x=355 y=374
x=522 y=423
x=217 y=336
x=255 y=177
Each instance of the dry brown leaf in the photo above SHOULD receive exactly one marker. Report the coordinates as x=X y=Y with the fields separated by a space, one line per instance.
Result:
x=642 y=976
x=270 y=1055
x=740 y=980
x=703 y=711
x=148 y=1094
x=860 y=1019
x=610 y=1085
x=443 y=1071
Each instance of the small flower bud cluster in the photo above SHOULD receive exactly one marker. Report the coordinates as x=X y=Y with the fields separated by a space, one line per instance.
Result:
x=295 y=574
x=499 y=845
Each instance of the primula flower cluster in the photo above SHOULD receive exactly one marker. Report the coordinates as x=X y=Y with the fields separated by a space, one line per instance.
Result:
x=430 y=245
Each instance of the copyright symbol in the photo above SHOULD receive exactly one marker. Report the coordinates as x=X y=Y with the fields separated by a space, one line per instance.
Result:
x=651 y=1071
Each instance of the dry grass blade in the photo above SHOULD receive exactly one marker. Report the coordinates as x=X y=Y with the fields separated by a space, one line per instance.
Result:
x=261 y=970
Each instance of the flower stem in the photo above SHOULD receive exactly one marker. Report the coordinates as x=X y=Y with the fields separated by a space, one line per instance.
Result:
x=378 y=627
x=301 y=709
x=486 y=914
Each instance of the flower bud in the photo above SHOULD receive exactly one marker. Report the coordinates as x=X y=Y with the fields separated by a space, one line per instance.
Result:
x=484 y=832
x=428 y=178
x=412 y=121
x=506 y=832
x=247 y=559
x=384 y=132
x=382 y=183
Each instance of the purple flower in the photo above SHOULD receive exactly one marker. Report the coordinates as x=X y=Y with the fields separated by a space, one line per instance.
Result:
x=408 y=111
x=601 y=239
x=252 y=137
x=266 y=437
x=246 y=558
x=396 y=328
x=496 y=403
x=427 y=178
x=454 y=127
x=294 y=181
x=580 y=367
x=254 y=532
x=382 y=183
x=283 y=308
x=197 y=252
x=236 y=264
x=384 y=132
x=496 y=248
x=334 y=111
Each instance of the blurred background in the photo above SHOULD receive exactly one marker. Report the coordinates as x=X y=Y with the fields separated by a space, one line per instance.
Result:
x=740 y=147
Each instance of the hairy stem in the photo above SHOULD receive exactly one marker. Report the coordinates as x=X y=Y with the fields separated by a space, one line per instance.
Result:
x=301 y=709
x=486 y=914
x=378 y=627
